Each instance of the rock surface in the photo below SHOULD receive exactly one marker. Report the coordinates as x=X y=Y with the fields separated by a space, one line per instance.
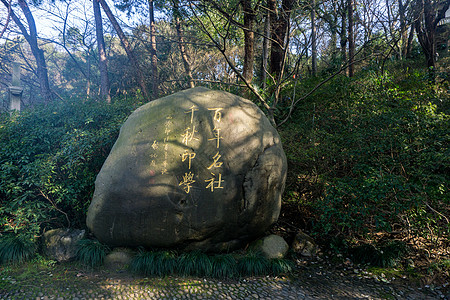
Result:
x=271 y=246
x=199 y=169
x=119 y=258
x=304 y=245
x=61 y=244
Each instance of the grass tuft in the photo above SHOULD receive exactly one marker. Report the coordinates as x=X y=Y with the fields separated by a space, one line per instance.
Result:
x=16 y=249
x=280 y=266
x=224 y=266
x=195 y=263
x=253 y=264
x=91 y=252
x=160 y=263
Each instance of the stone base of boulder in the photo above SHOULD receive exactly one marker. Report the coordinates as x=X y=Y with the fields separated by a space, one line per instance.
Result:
x=119 y=258
x=271 y=247
x=304 y=245
x=61 y=244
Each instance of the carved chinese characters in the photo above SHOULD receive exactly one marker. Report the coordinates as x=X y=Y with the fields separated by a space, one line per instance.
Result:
x=199 y=169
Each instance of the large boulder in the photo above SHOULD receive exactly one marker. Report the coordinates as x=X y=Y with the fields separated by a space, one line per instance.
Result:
x=199 y=169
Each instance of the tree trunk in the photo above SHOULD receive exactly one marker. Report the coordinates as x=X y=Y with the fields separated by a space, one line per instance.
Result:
x=410 y=40
x=38 y=54
x=126 y=45
x=180 y=35
x=427 y=15
x=279 y=21
x=154 y=58
x=265 y=50
x=403 y=28
x=313 y=38
x=103 y=60
x=343 y=39
x=351 y=40
x=249 y=40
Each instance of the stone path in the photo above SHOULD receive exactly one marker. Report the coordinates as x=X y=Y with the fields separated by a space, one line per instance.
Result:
x=309 y=281
x=189 y=288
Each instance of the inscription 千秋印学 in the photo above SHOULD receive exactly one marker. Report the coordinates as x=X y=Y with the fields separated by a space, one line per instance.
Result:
x=189 y=135
x=187 y=182
x=191 y=111
x=188 y=156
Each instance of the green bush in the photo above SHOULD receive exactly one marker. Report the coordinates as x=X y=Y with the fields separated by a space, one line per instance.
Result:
x=371 y=153
x=16 y=249
x=92 y=253
x=49 y=158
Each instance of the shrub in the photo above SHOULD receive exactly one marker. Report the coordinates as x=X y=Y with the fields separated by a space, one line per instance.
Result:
x=49 y=159
x=16 y=249
x=91 y=252
x=367 y=153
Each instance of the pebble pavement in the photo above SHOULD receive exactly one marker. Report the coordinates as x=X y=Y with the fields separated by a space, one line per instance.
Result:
x=191 y=288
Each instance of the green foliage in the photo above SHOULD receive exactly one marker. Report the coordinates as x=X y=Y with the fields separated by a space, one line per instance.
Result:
x=91 y=253
x=370 y=153
x=253 y=264
x=16 y=249
x=49 y=159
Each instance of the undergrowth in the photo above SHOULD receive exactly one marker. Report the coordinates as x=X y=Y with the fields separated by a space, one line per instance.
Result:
x=199 y=264
x=16 y=249
x=91 y=252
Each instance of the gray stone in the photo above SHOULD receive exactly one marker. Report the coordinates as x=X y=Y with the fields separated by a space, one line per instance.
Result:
x=199 y=169
x=119 y=258
x=271 y=246
x=61 y=244
x=304 y=245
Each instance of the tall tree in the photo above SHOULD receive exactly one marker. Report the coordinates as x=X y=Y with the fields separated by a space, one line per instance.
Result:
x=402 y=12
x=279 y=20
x=32 y=39
x=126 y=45
x=313 y=38
x=351 y=38
x=343 y=31
x=154 y=58
x=103 y=62
x=427 y=14
x=265 y=48
x=181 y=44
x=249 y=39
